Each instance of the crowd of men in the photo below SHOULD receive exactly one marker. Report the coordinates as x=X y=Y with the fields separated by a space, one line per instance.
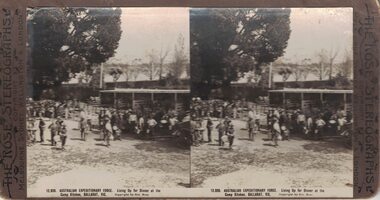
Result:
x=111 y=123
x=313 y=125
x=280 y=123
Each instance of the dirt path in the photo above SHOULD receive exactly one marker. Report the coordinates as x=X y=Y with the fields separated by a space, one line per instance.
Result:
x=126 y=163
x=295 y=163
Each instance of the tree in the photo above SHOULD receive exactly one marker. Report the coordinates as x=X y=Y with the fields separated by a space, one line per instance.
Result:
x=161 y=62
x=180 y=60
x=285 y=73
x=331 y=58
x=115 y=71
x=225 y=43
x=66 y=41
x=297 y=72
x=136 y=68
x=96 y=77
x=321 y=68
x=346 y=67
x=151 y=68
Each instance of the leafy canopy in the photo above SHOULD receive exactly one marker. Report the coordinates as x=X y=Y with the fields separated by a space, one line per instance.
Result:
x=65 y=41
x=226 y=43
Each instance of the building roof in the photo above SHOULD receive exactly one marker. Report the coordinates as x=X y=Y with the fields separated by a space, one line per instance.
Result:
x=311 y=90
x=143 y=90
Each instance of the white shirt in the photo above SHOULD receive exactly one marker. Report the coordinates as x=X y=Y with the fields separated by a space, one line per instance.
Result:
x=141 y=121
x=173 y=121
x=152 y=122
x=341 y=121
x=251 y=114
x=301 y=118
x=320 y=122
x=276 y=126
x=82 y=115
x=132 y=118
x=309 y=122
x=108 y=127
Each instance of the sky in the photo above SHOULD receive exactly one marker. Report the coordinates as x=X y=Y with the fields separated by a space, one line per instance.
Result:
x=145 y=29
x=312 y=29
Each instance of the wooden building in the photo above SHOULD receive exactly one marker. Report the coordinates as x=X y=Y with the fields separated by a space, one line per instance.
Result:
x=305 y=99
x=134 y=97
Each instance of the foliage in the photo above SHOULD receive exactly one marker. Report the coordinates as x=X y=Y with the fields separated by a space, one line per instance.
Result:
x=225 y=43
x=151 y=68
x=340 y=81
x=285 y=73
x=115 y=72
x=324 y=67
x=180 y=60
x=346 y=67
x=66 y=41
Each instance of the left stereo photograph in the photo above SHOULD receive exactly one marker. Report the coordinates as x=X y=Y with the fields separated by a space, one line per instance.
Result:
x=107 y=100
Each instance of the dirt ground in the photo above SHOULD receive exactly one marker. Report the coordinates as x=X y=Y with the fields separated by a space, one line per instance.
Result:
x=127 y=163
x=294 y=163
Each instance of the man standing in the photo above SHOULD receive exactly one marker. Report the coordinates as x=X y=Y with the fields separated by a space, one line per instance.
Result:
x=276 y=132
x=209 y=128
x=251 y=129
x=63 y=134
x=151 y=124
x=230 y=133
x=53 y=131
x=320 y=124
x=132 y=120
x=41 y=126
x=301 y=119
x=83 y=129
x=251 y=114
x=172 y=123
x=221 y=129
x=107 y=131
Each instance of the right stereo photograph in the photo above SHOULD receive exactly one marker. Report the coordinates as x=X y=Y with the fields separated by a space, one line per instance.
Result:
x=271 y=103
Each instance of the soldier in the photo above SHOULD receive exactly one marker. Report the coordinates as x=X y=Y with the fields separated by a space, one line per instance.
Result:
x=53 y=132
x=83 y=129
x=221 y=130
x=251 y=129
x=41 y=126
x=276 y=134
x=230 y=133
x=107 y=131
x=151 y=125
x=63 y=135
x=209 y=128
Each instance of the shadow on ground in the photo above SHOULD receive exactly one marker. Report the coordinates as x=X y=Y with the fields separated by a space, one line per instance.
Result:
x=326 y=147
x=161 y=146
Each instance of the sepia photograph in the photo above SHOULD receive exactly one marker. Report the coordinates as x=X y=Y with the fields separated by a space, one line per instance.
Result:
x=271 y=98
x=189 y=99
x=108 y=99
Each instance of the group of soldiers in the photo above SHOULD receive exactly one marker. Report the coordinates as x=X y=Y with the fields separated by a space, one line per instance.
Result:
x=132 y=122
x=57 y=128
x=312 y=125
x=225 y=129
x=281 y=123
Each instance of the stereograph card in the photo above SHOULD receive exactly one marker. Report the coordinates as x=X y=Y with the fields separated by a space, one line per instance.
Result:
x=193 y=99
